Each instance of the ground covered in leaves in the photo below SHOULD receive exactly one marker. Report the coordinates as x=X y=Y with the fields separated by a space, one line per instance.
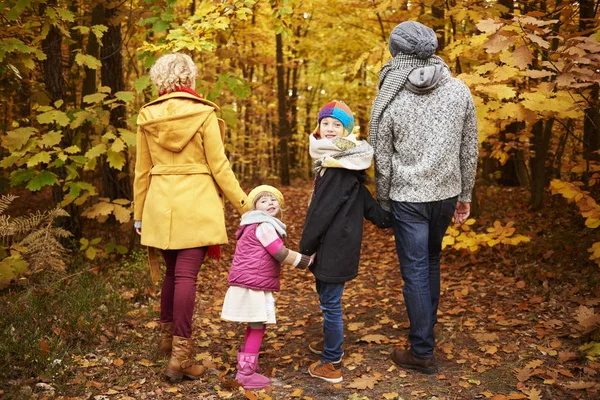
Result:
x=512 y=321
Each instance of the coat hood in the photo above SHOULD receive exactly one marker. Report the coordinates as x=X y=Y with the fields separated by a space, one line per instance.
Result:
x=424 y=79
x=175 y=122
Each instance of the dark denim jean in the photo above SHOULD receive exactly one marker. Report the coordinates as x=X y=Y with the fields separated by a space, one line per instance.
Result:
x=419 y=229
x=330 y=299
x=178 y=295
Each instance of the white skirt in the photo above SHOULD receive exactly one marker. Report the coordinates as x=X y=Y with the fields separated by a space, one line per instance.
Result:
x=247 y=305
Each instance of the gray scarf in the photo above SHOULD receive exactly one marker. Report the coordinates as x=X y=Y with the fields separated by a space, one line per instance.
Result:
x=258 y=217
x=392 y=79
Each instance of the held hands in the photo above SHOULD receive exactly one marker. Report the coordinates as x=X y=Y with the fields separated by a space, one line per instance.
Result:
x=462 y=212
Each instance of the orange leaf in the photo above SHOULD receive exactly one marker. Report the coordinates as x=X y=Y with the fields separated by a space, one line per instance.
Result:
x=45 y=349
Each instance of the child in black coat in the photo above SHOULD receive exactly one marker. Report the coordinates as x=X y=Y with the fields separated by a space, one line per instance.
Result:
x=334 y=225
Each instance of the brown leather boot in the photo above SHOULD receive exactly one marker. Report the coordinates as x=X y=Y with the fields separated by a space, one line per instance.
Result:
x=181 y=362
x=166 y=337
x=405 y=359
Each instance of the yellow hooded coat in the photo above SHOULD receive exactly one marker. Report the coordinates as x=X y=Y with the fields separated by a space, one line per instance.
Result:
x=180 y=171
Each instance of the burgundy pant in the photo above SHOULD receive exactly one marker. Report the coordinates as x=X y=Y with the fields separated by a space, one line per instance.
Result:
x=179 y=288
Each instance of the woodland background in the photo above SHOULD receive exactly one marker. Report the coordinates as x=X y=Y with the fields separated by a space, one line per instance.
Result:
x=73 y=75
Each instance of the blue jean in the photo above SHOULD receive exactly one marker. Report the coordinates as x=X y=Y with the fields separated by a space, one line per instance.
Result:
x=330 y=299
x=419 y=229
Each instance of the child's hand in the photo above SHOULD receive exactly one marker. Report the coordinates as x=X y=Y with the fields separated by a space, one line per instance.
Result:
x=312 y=259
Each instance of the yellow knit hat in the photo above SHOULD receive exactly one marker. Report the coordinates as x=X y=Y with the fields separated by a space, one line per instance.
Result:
x=252 y=196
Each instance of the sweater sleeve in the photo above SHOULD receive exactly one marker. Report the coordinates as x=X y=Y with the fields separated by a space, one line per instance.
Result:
x=268 y=237
x=383 y=159
x=469 y=153
x=330 y=193
x=373 y=211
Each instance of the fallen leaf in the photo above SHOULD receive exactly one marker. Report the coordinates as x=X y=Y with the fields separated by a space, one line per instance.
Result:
x=118 y=362
x=374 y=338
x=363 y=382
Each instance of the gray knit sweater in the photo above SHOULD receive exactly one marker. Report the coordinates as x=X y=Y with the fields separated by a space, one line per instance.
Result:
x=426 y=147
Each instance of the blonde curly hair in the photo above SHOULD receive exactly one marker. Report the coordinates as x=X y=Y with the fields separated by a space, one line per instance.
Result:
x=173 y=71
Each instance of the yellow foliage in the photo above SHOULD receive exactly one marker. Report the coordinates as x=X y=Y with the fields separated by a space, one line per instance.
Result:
x=463 y=238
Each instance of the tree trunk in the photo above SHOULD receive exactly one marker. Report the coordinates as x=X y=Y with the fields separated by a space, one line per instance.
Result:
x=284 y=127
x=542 y=132
x=115 y=184
x=591 y=121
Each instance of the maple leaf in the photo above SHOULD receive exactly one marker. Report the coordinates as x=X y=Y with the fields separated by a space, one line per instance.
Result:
x=522 y=57
x=489 y=25
x=364 y=382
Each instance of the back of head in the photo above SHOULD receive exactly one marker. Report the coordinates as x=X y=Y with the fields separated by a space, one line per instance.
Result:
x=413 y=38
x=173 y=71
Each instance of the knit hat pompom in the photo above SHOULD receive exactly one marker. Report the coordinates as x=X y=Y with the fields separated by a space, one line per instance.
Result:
x=257 y=192
x=340 y=111
x=413 y=38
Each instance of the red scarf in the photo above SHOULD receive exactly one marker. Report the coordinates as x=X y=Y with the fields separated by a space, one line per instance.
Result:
x=183 y=89
x=213 y=251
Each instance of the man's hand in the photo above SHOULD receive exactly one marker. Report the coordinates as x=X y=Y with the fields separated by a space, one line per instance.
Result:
x=462 y=212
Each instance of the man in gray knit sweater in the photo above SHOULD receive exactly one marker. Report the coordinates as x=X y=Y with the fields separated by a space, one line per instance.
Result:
x=424 y=132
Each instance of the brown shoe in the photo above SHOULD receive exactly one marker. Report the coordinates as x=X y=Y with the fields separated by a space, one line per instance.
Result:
x=326 y=371
x=166 y=337
x=405 y=359
x=181 y=362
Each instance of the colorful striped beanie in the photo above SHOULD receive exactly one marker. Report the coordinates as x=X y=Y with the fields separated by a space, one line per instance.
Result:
x=340 y=111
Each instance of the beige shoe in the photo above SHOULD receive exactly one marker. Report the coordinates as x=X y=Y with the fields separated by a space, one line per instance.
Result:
x=166 y=337
x=181 y=362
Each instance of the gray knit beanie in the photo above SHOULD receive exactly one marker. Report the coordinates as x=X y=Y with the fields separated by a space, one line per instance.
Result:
x=411 y=37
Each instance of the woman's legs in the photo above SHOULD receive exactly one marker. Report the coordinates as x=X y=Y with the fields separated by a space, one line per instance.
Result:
x=179 y=288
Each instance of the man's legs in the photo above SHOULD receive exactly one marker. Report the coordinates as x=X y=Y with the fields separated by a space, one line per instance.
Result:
x=411 y=231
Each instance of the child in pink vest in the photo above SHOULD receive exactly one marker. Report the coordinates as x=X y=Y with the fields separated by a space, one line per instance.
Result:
x=254 y=276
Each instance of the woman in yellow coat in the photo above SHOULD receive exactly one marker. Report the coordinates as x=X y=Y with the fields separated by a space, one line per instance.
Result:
x=181 y=174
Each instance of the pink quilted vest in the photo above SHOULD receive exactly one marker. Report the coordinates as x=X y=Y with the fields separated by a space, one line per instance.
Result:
x=253 y=267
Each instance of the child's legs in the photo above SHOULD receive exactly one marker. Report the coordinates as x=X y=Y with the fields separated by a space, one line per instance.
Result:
x=330 y=299
x=254 y=335
x=186 y=272
x=168 y=286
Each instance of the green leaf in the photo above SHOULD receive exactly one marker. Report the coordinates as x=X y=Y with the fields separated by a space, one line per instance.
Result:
x=128 y=136
x=141 y=83
x=16 y=11
x=44 y=178
x=9 y=161
x=115 y=160
x=72 y=149
x=99 y=30
x=160 y=26
x=21 y=176
x=84 y=243
x=41 y=157
x=83 y=29
x=50 y=139
x=89 y=61
x=65 y=14
x=96 y=151
x=53 y=116
x=94 y=98
x=15 y=139
x=122 y=249
x=117 y=145
x=124 y=96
